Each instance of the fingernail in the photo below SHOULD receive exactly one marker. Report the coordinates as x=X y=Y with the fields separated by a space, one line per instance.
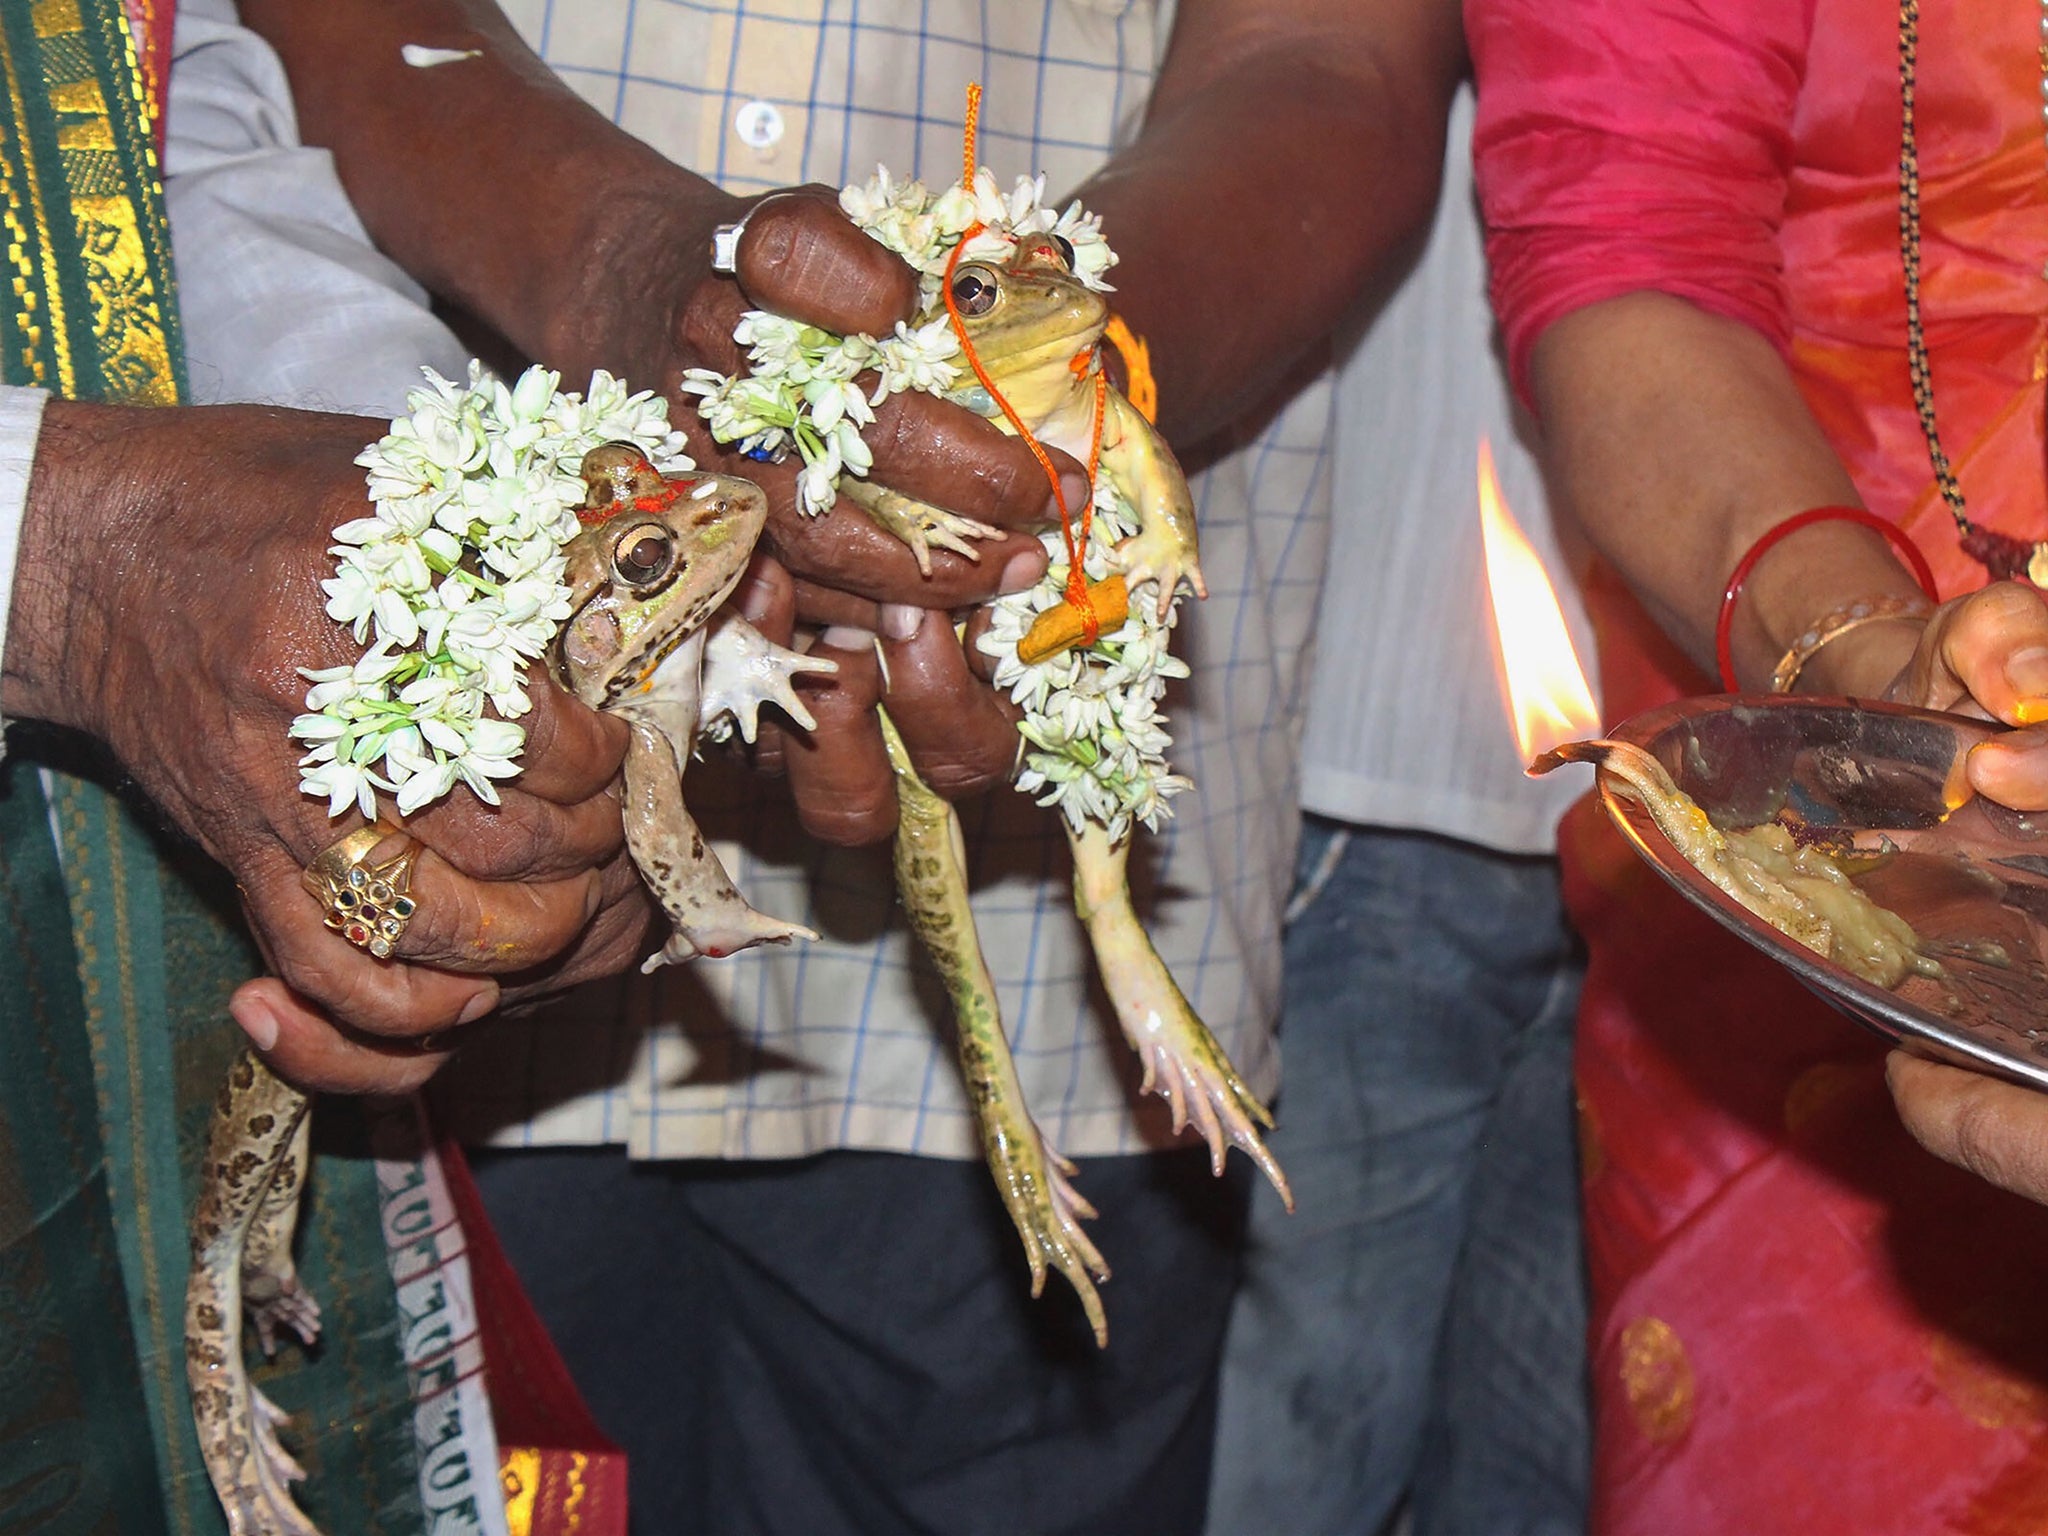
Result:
x=257 y=1018
x=478 y=1006
x=755 y=600
x=1077 y=491
x=1022 y=571
x=844 y=637
x=2027 y=670
x=901 y=620
x=2030 y=711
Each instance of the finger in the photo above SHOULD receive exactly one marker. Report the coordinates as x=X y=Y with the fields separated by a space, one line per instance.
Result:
x=307 y=1049
x=2012 y=769
x=1996 y=1130
x=382 y=997
x=458 y=924
x=766 y=597
x=824 y=607
x=572 y=752
x=961 y=734
x=1995 y=645
x=801 y=256
x=838 y=770
x=923 y=446
x=847 y=550
x=462 y=924
x=979 y=661
x=943 y=454
x=523 y=838
x=629 y=926
x=709 y=320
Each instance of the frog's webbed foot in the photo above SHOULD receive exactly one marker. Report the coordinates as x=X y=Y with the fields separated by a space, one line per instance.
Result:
x=272 y=1296
x=292 y=1309
x=1185 y=1066
x=1160 y=555
x=1045 y=1208
x=1182 y=1061
x=744 y=669
x=710 y=916
x=917 y=524
x=241 y=1237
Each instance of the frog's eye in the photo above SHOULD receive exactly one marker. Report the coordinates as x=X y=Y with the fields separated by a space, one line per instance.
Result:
x=975 y=291
x=644 y=554
x=1066 y=250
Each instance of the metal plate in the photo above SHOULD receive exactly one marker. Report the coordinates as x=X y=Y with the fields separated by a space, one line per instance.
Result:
x=1969 y=875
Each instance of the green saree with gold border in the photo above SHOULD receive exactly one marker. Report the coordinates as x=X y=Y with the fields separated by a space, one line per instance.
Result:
x=122 y=945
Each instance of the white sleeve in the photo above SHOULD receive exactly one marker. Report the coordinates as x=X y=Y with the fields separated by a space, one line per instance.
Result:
x=283 y=297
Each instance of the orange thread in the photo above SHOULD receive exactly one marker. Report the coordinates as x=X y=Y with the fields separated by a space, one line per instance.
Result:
x=973 y=131
x=1077 y=578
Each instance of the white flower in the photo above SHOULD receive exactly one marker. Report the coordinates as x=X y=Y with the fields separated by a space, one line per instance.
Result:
x=459 y=574
x=1095 y=743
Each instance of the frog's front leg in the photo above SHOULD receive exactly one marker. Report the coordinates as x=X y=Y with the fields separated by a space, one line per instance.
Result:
x=1183 y=1063
x=711 y=917
x=918 y=525
x=744 y=669
x=241 y=1246
x=931 y=878
x=1143 y=470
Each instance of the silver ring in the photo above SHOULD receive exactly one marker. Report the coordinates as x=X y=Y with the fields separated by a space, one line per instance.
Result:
x=725 y=247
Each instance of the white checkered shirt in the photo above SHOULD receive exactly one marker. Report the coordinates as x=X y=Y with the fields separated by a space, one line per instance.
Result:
x=845 y=1042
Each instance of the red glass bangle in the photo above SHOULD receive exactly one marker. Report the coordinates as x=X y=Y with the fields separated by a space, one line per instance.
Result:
x=1724 y=626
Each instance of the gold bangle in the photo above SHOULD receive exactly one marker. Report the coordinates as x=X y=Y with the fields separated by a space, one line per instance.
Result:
x=1836 y=623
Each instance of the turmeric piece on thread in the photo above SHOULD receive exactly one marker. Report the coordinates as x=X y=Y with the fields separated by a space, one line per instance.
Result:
x=1062 y=627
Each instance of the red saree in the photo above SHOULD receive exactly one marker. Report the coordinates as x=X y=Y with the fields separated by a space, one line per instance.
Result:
x=1802 y=1323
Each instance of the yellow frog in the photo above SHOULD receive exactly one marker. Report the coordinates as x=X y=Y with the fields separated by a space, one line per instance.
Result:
x=1034 y=328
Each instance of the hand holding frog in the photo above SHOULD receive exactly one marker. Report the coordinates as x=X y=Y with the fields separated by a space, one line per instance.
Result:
x=167 y=593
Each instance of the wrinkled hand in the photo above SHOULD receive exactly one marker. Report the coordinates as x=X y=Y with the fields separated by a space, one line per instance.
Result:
x=1996 y=1130
x=169 y=593
x=841 y=572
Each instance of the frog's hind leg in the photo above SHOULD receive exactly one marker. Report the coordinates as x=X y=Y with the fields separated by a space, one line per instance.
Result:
x=711 y=917
x=918 y=525
x=241 y=1245
x=1183 y=1063
x=931 y=877
x=271 y=1292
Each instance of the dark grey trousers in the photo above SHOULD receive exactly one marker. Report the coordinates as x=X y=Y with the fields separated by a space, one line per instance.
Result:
x=848 y=1344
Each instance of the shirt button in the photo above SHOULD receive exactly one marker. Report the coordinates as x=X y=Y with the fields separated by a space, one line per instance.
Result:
x=758 y=124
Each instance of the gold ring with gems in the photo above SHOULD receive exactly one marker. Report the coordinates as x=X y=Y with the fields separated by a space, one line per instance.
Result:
x=367 y=904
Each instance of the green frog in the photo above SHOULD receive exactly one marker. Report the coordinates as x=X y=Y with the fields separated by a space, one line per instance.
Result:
x=1035 y=328
x=645 y=641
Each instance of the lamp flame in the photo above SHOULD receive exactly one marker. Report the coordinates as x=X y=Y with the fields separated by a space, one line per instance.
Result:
x=1547 y=696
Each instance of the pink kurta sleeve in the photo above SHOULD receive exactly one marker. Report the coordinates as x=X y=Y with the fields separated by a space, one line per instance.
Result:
x=1630 y=145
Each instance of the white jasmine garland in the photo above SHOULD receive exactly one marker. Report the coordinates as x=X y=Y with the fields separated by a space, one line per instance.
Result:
x=455 y=582
x=1096 y=744
x=798 y=394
